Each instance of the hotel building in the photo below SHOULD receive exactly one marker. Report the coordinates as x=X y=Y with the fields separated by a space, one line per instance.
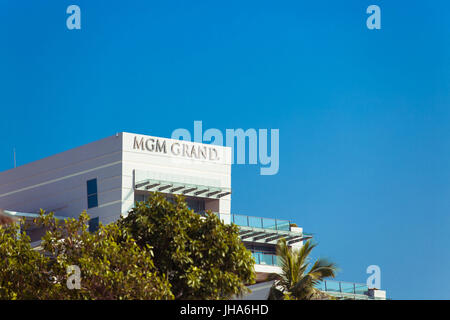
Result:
x=106 y=177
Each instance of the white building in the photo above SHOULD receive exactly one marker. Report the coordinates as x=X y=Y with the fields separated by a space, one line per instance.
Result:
x=106 y=177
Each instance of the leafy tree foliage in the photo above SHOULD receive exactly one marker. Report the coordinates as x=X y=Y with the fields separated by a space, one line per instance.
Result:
x=112 y=265
x=23 y=271
x=202 y=257
x=298 y=278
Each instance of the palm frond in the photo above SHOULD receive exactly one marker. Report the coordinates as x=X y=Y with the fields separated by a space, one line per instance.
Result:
x=275 y=294
x=295 y=280
x=322 y=268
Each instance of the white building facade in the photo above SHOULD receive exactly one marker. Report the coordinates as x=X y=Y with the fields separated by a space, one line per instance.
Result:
x=106 y=177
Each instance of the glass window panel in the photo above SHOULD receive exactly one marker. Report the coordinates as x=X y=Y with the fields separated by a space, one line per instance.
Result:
x=254 y=222
x=347 y=287
x=268 y=223
x=267 y=259
x=93 y=224
x=196 y=205
x=92 y=193
x=257 y=257
x=276 y=261
x=92 y=201
x=264 y=248
x=361 y=289
x=139 y=197
x=283 y=225
x=240 y=220
x=92 y=186
x=333 y=286
x=259 y=222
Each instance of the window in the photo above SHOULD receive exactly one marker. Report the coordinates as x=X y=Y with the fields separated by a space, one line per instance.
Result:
x=139 y=197
x=197 y=205
x=92 y=198
x=93 y=224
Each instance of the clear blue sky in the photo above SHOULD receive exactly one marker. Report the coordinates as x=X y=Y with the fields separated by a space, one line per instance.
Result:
x=364 y=116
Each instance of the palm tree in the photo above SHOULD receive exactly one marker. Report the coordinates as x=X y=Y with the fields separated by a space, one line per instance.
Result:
x=295 y=280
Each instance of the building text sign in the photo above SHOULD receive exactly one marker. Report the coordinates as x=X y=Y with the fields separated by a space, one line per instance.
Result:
x=176 y=148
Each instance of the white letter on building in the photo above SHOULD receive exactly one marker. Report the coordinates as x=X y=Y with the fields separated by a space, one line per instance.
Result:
x=74 y=21
x=374 y=21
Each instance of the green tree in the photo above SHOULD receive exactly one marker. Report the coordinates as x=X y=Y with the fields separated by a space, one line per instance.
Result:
x=298 y=277
x=23 y=271
x=202 y=257
x=112 y=265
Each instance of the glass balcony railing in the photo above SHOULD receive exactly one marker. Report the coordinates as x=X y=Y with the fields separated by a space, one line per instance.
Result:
x=331 y=286
x=343 y=287
x=265 y=258
x=259 y=222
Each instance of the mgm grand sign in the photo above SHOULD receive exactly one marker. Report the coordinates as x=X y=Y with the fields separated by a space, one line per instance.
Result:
x=176 y=148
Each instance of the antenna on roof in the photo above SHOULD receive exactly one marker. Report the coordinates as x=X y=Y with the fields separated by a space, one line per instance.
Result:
x=14 y=151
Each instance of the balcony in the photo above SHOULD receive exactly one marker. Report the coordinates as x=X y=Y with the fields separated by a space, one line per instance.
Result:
x=338 y=289
x=259 y=222
x=345 y=290
x=266 y=230
x=263 y=258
